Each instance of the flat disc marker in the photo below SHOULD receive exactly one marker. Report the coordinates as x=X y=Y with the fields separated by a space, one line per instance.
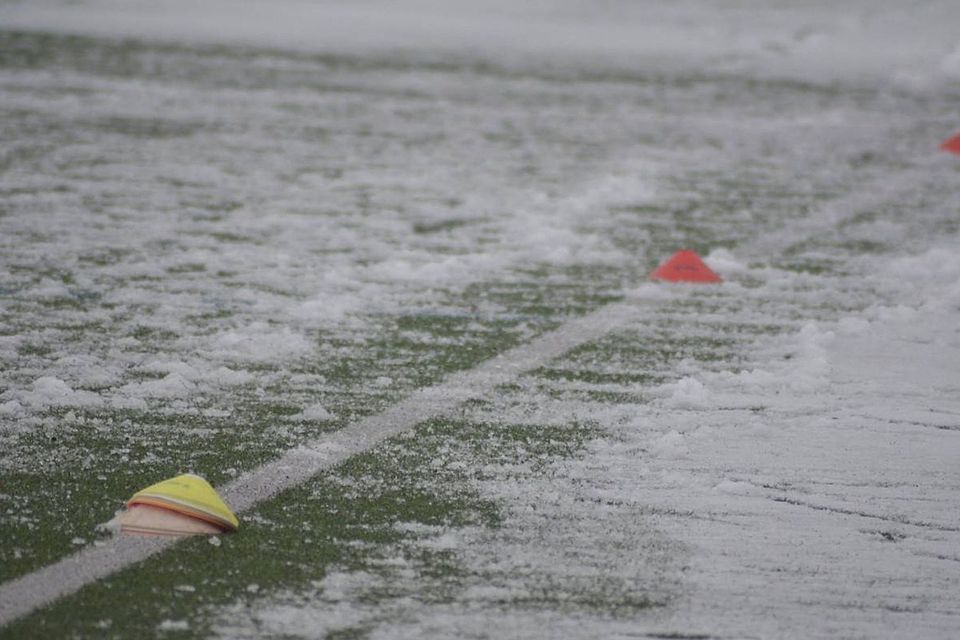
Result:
x=685 y=266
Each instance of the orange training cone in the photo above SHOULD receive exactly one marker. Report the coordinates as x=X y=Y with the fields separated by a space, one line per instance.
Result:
x=951 y=145
x=684 y=266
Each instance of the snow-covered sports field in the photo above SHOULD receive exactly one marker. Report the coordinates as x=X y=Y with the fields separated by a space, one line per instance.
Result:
x=379 y=271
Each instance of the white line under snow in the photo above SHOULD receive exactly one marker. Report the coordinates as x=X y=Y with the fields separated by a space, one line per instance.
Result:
x=22 y=595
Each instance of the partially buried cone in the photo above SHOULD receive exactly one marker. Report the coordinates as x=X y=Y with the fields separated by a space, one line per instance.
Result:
x=951 y=145
x=183 y=505
x=144 y=519
x=684 y=266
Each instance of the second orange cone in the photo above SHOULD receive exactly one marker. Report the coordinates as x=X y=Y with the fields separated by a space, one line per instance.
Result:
x=685 y=266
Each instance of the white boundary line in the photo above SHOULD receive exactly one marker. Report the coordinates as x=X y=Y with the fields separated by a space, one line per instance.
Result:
x=872 y=194
x=20 y=596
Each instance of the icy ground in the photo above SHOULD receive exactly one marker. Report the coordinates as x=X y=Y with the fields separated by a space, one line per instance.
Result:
x=227 y=227
x=813 y=493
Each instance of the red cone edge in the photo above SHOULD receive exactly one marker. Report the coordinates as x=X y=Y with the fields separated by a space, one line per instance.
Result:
x=684 y=266
x=951 y=145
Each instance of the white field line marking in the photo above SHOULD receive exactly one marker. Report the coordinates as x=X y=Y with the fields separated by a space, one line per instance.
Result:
x=22 y=595
x=874 y=194
x=26 y=593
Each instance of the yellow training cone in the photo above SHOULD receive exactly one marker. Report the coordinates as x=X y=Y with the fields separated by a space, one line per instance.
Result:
x=190 y=495
x=147 y=520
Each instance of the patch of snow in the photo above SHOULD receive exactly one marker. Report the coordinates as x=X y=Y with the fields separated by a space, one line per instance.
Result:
x=50 y=391
x=723 y=261
x=687 y=393
x=169 y=626
x=260 y=343
x=313 y=413
x=173 y=385
x=11 y=408
x=226 y=377
x=852 y=326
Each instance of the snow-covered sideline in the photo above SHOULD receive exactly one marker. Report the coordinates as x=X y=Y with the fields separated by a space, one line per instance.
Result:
x=836 y=510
